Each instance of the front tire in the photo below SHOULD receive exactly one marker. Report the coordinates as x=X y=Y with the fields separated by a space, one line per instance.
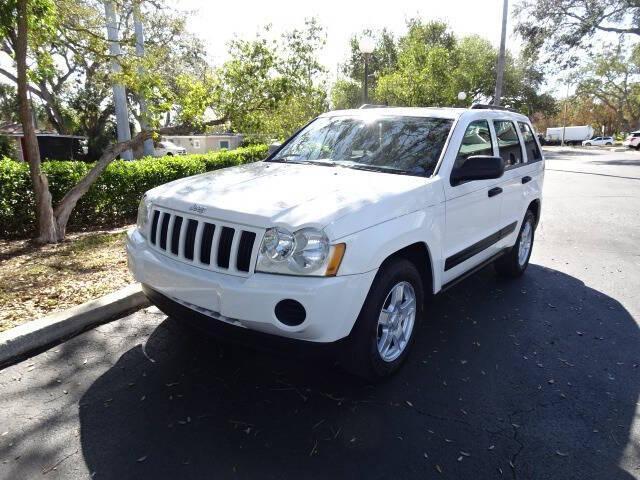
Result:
x=515 y=262
x=385 y=329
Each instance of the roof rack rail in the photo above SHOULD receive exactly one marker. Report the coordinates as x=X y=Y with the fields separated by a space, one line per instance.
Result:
x=371 y=105
x=483 y=106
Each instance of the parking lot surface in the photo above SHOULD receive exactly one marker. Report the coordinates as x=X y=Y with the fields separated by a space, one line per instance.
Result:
x=533 y=378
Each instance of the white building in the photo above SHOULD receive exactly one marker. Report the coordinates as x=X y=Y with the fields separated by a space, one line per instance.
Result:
x=205 y=143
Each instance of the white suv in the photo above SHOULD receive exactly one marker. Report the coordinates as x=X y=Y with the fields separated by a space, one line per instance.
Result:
x=608 y=141
x=340 y=235
x=633 y=140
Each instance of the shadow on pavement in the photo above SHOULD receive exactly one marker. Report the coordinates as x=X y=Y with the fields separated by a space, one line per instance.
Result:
x=530 y=378
x=622 y=162
x=569 y=152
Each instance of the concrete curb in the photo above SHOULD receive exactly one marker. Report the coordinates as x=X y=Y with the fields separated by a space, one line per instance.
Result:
x=24 y=339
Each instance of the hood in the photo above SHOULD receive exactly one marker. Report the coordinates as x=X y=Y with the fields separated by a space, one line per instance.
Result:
x=266 y=194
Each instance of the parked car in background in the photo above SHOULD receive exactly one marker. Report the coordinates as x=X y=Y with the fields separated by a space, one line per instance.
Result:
x=344 y=231
x=573 y=135
x=598 y=141
x=167 y=148
x=633 y=140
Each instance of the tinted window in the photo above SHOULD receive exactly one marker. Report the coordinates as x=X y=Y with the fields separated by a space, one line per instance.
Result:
x=394 y=144
x=476 y=141
x=530 y=144
x=508 y=143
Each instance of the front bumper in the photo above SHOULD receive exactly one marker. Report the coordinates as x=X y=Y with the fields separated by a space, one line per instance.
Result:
x=332 y=304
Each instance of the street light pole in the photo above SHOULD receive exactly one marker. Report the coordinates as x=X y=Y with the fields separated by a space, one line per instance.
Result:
x=366 y=75
x=366 y=45
x=501 y=55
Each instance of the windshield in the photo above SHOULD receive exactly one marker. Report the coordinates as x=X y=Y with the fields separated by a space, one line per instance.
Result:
x=393 y=144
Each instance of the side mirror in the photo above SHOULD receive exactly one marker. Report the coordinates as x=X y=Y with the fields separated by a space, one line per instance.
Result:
x=478 y=167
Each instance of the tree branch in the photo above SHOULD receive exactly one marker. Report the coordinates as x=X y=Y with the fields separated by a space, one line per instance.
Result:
x=67 y=204
x=14 y=79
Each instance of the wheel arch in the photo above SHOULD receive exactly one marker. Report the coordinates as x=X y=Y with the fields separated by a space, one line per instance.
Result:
x=535 y=207
x=419 y=254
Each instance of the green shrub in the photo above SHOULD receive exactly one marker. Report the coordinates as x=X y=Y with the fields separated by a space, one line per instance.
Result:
x=113 y=199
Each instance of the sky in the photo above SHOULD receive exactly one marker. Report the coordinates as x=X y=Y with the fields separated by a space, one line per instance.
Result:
x=217 y=22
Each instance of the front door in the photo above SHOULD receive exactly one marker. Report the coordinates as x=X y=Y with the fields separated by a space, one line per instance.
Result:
x=473 y=209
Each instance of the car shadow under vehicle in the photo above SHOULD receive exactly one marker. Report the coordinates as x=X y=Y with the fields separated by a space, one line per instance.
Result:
x=529 y=379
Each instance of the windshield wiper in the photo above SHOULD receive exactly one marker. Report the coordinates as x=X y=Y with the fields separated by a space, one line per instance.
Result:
x=324 y=163
x=321 y=162
x=371 y=168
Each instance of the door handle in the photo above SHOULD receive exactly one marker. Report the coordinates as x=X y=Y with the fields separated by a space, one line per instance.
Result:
x=495 y=191
x=526 y=179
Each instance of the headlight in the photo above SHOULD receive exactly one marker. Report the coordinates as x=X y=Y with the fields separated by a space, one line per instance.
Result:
x=304 y=252
x=144 y=209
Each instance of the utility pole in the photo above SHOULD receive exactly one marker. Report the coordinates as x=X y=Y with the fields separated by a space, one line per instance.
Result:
x=503 y=40
x=564 y=115
x=119 y=94
x=147 y=146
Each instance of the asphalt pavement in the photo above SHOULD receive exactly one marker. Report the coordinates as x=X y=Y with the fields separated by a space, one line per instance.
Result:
x=533 y=378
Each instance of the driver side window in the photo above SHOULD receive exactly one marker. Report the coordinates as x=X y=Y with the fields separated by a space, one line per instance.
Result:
x=476 y=141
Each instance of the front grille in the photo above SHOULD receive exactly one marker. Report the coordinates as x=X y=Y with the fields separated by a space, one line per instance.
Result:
x=209 y=244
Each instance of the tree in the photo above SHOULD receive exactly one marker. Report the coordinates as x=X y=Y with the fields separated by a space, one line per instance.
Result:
x=69 y=75
x=433 y=66
x=33 y=21
x=561 y=27
x=612 y=78
x=346 y=93
x=38 y=13
x=271 y=86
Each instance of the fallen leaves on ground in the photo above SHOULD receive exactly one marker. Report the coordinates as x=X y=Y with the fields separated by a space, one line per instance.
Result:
x=39 y=280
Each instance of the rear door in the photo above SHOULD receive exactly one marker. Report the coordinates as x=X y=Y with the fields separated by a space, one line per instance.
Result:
x=473 y=216
x=511 y=150
x=522 y=179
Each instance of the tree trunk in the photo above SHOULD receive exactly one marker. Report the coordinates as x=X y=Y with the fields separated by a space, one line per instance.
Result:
x=47 y=231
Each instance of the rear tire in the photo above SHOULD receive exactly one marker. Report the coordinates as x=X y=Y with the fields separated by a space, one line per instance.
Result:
x=515 y=261
x=384 y=323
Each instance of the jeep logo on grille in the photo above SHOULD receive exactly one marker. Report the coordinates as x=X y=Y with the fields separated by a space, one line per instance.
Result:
x=197 y=208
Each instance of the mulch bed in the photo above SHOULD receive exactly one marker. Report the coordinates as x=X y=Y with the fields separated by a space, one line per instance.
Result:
x=37 y=280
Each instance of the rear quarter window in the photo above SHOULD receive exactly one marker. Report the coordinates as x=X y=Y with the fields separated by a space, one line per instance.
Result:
x=530 y=144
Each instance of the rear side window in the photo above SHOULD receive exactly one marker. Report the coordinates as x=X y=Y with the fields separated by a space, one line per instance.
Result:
x=530 y=144
x=508 y=143
x=476 y=141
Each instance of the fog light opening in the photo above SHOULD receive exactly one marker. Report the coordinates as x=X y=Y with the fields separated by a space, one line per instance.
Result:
x=290 y=312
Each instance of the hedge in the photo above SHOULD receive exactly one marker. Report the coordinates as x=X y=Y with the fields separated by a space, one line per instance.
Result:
x=113 y=199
